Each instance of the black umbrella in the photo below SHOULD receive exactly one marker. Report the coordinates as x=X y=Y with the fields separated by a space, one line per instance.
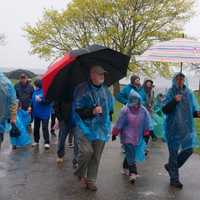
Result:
x=72 y=69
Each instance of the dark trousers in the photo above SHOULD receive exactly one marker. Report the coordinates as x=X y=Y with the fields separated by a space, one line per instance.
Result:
x=45 y=129
x=1 y=139
x=53 y=121
x=129 y=160
x=177 y=160
x=64 y=128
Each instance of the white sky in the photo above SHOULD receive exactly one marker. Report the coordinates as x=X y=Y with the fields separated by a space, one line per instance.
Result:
x=14 y=14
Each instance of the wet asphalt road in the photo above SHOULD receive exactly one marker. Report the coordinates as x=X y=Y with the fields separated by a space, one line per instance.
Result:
x=32 y=174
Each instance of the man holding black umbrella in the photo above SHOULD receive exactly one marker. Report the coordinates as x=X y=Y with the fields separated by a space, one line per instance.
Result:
x=93 y=107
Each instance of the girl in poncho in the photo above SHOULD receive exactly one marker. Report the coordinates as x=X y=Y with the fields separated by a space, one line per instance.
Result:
x=132 y=124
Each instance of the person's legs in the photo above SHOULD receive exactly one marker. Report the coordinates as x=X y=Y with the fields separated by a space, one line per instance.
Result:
x=130 y=156
x=93 y=165
x=36 y=129
x=64 y=129
x=183 y=156
x=1 y=139
x=70 y=138
x=45 y=129
x=172 y=165
x=53 y=121
x=76 y=140
x=85 y=155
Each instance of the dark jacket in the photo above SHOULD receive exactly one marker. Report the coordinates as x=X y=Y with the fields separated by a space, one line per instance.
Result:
x=24 y=94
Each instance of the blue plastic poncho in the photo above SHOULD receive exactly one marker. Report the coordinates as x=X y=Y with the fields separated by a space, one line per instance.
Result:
x=132 y=124
x=7 y=99
x=158 y=118
x=23 y=119
x=179 y=124
x=88 y=96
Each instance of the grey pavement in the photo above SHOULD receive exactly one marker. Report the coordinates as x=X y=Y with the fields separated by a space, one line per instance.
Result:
x=32 y=174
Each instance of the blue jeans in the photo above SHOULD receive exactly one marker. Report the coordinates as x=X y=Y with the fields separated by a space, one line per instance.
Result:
x=177 y=160
x=65 y=128
x=129 y=160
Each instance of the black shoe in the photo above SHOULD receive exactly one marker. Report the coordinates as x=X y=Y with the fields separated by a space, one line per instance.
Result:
x=176 y=184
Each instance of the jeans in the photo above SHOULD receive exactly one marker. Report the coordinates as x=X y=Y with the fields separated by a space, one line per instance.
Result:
x=45 y=129
x=64 y=128
x=129 y=160
x=176 y=160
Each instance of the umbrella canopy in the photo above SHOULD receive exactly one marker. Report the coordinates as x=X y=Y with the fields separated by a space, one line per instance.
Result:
x=73 y=68
x=177 y=51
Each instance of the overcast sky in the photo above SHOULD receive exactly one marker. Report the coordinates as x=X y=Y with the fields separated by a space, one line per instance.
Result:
x=14 y=14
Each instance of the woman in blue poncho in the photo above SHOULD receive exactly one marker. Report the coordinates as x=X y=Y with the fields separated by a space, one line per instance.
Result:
x=8 y=105
x=180 y=107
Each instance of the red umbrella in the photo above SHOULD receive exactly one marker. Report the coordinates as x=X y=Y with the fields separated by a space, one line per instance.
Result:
x=73 y=68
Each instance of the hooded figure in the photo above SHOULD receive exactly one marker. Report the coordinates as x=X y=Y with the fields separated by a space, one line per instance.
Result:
x=180 y=107
x=8 y=105
x=133 y=123
x=134 y=85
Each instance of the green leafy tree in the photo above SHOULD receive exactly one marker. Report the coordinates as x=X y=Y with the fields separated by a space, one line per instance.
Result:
x=129 y=26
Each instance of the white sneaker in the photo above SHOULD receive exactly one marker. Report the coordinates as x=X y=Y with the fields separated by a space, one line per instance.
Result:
x=132 y=178
x=35 y=144
x=125 y=172
x=46 y=146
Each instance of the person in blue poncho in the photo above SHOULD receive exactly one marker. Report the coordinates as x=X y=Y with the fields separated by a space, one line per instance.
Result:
x=41 y=110
x=93 y=106
x=8 y=105
x=133 y=123
x=180 y=107
x=134 y=85
x=23 y=119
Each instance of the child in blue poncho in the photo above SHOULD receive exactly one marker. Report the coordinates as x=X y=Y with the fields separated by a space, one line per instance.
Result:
x=132 y=124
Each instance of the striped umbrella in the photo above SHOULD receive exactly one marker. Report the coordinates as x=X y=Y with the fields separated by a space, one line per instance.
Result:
x=179 y=50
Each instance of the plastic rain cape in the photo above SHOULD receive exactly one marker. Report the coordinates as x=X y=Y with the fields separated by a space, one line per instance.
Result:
x=88 y=96
x=132 y=125
x=179 y=124
x=22 y=121
x=7 y=98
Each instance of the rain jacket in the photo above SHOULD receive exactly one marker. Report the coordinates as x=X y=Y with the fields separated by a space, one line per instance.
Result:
x=8 y=104
x=24 y=94
x=41 y=109
x=123 y=95
x=22 y=121
x=179 y=123
x=86 y=98
x=132 y=124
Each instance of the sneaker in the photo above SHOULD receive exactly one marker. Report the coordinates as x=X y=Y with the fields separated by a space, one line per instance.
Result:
x=166 y=166
x=35 y=144
x=125 y=172
x=132 y=178
x=46 y=146
x=71 y=145
x=60 y=160
x=91 y=186
x=75 y=163
x=176 y=184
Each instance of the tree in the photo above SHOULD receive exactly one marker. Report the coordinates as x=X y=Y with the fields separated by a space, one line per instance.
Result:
x=129 y=26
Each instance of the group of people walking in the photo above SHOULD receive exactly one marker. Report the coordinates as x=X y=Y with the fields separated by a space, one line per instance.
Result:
x=89 y=117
